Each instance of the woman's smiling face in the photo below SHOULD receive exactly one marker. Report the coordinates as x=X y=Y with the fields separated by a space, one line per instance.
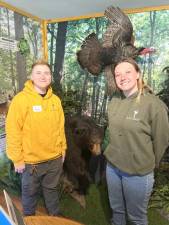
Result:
x=126 y=78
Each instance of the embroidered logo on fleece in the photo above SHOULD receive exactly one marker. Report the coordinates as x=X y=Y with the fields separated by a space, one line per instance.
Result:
x=134 y=116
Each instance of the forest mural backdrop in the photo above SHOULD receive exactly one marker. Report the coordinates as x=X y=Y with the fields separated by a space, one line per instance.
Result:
x=80 y=90
x=20 y=46
x=151 y=29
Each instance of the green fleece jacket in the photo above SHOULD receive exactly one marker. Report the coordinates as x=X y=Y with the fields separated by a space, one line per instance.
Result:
x=139 y=133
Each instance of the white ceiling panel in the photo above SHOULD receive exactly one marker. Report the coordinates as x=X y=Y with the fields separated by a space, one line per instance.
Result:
x=54 y=9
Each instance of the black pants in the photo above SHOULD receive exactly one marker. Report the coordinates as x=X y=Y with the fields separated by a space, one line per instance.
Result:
x=45 y=175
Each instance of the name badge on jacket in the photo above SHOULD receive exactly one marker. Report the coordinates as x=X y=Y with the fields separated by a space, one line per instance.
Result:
x=37 y=108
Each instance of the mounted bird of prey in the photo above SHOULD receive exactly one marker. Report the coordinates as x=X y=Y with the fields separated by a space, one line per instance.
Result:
x=117 y=43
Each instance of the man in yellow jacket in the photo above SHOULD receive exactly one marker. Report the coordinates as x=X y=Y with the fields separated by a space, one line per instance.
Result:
x=36 y=139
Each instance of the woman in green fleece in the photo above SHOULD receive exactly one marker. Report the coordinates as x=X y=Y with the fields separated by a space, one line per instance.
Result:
x=139 y=135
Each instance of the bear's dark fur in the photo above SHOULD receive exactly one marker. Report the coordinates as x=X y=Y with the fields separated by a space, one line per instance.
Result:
x=83 y=140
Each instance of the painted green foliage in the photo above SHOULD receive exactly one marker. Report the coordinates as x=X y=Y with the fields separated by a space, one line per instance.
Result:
x=23 y=46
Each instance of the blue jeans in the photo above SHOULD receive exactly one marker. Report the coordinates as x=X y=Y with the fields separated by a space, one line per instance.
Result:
x=129 y=196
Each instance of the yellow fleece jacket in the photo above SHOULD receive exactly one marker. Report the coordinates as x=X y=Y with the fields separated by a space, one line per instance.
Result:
x=35 y=127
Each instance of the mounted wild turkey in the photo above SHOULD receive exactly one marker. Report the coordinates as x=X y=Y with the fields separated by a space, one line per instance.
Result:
x=117 y=43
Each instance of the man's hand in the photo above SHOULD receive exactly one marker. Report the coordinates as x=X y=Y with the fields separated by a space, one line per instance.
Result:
x=19 y=168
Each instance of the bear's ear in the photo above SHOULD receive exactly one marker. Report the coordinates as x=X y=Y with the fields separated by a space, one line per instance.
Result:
x=72 y=121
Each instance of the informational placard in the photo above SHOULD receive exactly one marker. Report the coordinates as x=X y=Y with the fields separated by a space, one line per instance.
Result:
x=8 y=44
x=2 y=143
x=2 y=135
